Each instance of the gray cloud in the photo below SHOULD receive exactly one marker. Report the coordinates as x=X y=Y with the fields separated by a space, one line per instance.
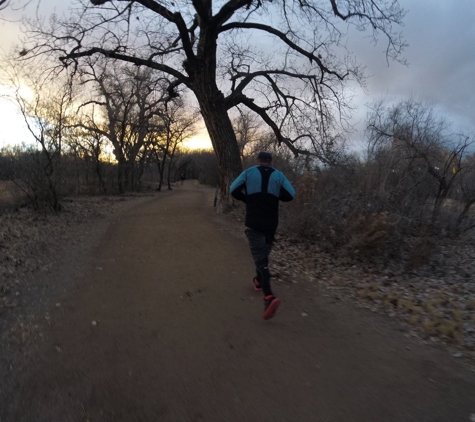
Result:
x=441 y=57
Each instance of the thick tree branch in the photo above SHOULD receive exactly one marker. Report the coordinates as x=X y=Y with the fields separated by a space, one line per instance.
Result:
x=247 y=78
x=228 y=10
x=175 y=18
x=269 y=29
x=181 y=79
x=248 y=102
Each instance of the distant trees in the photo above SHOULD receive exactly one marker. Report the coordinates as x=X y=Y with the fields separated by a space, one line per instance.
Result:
x=423 y=160
x=466 y=192
x=249 y=132
x=414 y=184
x=284 y=62
x=176 y=125
x=127 y=99
x=47 y=109
x=91 y=125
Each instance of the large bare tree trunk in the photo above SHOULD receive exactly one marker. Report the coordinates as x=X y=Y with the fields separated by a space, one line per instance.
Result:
x=227 y=151
x=223 y=139
x=202 y=73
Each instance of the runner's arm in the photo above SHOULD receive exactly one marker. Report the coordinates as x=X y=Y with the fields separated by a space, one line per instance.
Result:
x=238 y=188
x=287 y=192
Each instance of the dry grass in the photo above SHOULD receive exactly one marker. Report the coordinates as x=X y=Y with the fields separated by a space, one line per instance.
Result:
x=10 y=195
x=436 y=303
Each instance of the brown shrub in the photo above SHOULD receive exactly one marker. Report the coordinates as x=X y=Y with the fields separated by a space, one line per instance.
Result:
x=420 y=253
x=369 y=232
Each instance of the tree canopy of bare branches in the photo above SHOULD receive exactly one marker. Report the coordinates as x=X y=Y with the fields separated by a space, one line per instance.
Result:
x=284 y=61
x=47 y=109
x=122 y=105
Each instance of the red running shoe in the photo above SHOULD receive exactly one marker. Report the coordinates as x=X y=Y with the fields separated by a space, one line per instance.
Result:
x=257 y=285
x=271 y=303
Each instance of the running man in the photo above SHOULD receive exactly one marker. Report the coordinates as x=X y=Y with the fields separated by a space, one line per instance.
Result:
x=260 y=188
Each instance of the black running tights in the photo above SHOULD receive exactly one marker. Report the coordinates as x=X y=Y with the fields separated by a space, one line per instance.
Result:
x=260 y=243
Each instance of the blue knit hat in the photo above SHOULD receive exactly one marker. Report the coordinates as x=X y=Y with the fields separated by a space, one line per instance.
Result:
x=264 y=156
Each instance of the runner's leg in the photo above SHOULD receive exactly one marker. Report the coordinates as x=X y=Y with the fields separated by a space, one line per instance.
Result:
x=260 y=248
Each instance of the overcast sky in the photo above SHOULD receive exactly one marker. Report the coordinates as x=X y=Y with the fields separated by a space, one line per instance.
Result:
x=440 y=55
x=441 y=61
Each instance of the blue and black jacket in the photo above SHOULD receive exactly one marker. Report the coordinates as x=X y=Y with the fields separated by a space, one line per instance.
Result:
x=261 y=188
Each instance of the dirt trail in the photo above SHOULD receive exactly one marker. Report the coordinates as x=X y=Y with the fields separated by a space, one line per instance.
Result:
x=179 y=336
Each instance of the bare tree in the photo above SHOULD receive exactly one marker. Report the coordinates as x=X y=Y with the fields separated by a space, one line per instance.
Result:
x=89 y=147
x=180 y=125
x=292 y=74
x=417 y=145
x=466 y=189
x=46 y=106
x=176 y=123
x=128 y=99
x=247 y=129
x=181 y=163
